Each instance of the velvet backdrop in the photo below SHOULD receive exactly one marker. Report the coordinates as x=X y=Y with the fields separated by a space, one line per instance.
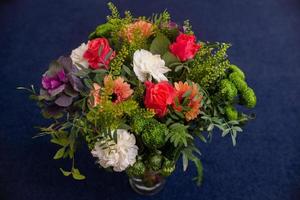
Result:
x=264 y=165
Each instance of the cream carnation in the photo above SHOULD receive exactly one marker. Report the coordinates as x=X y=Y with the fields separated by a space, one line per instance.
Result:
x=146 y=65
x=77 y=55
x=118 y=155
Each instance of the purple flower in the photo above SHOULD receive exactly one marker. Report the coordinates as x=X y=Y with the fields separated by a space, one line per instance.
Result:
x=55 y=84
x=59 y=83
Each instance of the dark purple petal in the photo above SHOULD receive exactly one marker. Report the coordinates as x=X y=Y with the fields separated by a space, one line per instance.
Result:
x=64 y=100
x=70 y=91
x=76 y=83
x=56 y=91
x=66 y=63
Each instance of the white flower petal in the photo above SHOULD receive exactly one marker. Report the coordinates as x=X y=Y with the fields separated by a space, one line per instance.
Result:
x=77 y=55
x=120 y=155
x=146 y=65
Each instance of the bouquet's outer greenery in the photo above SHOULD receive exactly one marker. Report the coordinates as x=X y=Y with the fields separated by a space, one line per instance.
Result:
x=161 y=141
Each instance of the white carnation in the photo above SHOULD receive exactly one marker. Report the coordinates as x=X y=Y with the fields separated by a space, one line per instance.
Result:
x=120 y=155
x=146 y=65
x=77 y=55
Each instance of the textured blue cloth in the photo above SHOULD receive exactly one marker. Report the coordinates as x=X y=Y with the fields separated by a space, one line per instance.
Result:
x=265 y=164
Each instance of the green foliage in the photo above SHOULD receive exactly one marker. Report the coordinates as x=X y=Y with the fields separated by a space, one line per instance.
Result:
x=160 y=45
x=188 y=27
x=117 y=63
x=209 y=65
x=188 y=155
x=154 y=134
x=114 y=11
x=168 y=167
x=161 y=18
x=65 y=135
x=103 y=30
x=74 y=172
x=178 y=135
x=106 y=117
x=137 y=170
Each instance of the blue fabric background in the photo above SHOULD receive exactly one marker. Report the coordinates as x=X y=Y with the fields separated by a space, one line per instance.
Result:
x=265 y=164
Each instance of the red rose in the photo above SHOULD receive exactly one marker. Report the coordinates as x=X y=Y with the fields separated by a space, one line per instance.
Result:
x=96 y=57
x=185 y=47
x=159 y=96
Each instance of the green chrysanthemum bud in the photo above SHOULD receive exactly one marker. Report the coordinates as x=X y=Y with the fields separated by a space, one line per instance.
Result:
x=228 y=90
x=154 y=135
x=250 y=98
x=137 y=170
x=139 y=124
x=231 y=113
x=239 y=83
x=234 y=68
x=168 y=167
x=155 y=162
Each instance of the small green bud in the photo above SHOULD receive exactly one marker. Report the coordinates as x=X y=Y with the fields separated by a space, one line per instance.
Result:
x=137 y=170
x=155 y=162
x=234 y=68
x=239 y=83
x=228 y=89
x=250 y=98
x=231 y=113
x=168 y=167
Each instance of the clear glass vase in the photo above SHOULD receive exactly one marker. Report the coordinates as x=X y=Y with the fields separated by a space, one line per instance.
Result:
x=151 y=183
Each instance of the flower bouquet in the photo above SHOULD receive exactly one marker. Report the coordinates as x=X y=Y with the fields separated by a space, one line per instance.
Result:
x=139 y=94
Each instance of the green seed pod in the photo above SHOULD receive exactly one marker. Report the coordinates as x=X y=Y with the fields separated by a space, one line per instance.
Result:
x=228 y=90
x=249 y=98
x=137 y=170
x=239 y=83
x=231 y=113
x=155 y=162
x=168 y=167
x=154 y=135
x=234 y=68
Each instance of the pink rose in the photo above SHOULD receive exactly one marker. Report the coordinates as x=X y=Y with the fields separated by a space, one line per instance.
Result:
x=159 y=96
x=99 y=53
x=185 y=47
